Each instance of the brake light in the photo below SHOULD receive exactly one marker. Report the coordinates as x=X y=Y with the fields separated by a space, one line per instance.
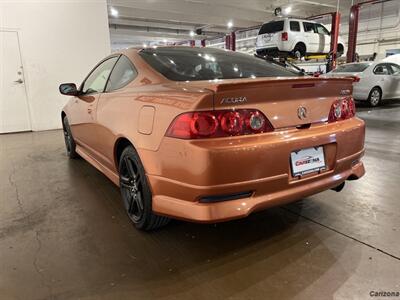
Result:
x=356 y=79
x=342 y=109
x=218 y=123
x=285 y=36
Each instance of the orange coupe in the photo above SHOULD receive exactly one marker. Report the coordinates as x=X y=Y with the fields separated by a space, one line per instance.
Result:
x=209 y=135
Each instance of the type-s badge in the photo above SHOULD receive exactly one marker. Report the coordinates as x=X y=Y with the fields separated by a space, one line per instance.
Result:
x=233 y=100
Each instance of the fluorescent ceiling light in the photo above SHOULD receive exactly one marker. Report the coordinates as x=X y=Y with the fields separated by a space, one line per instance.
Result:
x=287 y=10
x=230 y=24
x=191 y=33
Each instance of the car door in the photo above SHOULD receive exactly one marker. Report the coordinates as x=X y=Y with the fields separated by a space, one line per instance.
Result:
x=383 y=79
x=311 y=39
x=82 y=115
x=395 y=81
x=324 y=39
x=114 y=98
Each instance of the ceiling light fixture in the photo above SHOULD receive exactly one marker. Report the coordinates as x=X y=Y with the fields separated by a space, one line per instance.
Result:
x=191 y=33
x=114 y=12
x=287 y=10
x=230 y=24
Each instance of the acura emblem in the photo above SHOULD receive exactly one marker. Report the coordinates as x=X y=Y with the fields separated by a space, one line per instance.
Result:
x=302 y=112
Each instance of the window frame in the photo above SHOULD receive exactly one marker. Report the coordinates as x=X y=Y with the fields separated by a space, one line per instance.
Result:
x=381 y=65
x=290 y=26
x=94 y=69
x=314 y=28
x=108 y=80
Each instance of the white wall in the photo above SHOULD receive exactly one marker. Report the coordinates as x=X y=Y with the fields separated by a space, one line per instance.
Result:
x=60 y=40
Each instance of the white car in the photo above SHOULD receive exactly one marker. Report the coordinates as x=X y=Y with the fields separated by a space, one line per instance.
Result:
x=373 y=81
x=295 y=37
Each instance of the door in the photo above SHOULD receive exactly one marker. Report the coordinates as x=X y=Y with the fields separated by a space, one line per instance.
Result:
x=395 y=86
x=324 y=39
x=14 y=110
x=310 y=37
x=384 y=79
x=82 y=115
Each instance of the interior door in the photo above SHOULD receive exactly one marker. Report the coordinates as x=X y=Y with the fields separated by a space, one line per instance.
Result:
x=311 y=38
x=14 y=110
x=82 y=116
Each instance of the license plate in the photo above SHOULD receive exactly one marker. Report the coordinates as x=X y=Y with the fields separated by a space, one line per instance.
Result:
x=307 y=161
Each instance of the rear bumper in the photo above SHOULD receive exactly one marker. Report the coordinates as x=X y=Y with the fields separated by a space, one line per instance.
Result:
x=182 y=172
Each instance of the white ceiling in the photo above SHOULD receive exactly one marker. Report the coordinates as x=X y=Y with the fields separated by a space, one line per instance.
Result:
x=154 y=21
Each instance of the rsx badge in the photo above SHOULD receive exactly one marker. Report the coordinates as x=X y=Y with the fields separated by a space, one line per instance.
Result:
x=233 y=100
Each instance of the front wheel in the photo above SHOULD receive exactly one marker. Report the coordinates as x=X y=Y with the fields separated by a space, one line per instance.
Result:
x=135 y=192
x=375 y=97
x=69 y=140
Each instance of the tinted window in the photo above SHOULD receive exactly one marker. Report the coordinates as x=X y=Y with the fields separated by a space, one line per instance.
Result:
x=309 y=27
x=294 y=26
x=123 y=73
x=321 y=29
x=272 y=27
x=381 y=70
x=181 y=64
x=97 y=80
x=351 y=68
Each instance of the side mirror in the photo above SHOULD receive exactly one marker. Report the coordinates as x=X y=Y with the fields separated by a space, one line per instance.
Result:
x=68 y=89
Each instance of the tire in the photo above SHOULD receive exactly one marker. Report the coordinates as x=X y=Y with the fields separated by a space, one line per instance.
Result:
x=136 y=193
x=340 y=50
x=299 y=51
x=69 y=140
x=261 y=52
x=375 y=97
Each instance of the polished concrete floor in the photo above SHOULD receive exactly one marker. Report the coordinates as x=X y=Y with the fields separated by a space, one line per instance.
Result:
x=64 y=234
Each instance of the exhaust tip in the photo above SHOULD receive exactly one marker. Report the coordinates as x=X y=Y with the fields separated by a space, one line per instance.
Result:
x=339 y=187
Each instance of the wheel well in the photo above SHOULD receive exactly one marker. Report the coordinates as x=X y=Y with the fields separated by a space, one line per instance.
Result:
x=340 y=48
x=379 y=88
x=120 y=145
x=301 y=44
x=63 y=115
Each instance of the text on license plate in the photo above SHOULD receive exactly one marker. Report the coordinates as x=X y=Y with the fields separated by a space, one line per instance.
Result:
x=307 y=161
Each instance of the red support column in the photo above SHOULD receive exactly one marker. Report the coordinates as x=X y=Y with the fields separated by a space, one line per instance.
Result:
x=203 y=43
x=228 y=42
x=192 y=43
x=334 y=39
x=233 y=41
x=353 y=28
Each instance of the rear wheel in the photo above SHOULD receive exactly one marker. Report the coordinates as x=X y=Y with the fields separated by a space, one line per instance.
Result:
x=299 y=51
x=135 y=192
x=69 y=140
x=261 y=52
x=375 y=97
x=340 y=50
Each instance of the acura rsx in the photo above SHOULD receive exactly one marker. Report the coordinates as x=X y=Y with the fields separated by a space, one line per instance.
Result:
x=209 y=135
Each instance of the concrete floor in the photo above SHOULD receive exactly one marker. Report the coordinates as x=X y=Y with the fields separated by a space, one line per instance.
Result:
x=64 y=234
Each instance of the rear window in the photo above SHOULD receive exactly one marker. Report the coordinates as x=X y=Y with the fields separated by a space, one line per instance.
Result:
x=272 y=27
x=351 y=68
x=294 y=26
x=184 y=63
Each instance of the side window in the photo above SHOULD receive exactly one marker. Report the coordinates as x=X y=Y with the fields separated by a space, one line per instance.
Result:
x=309 y=27
x=123 y=73
x=381 y=70
x=321 y=29
x=96 y=81
x=294 y=26
x=395 y=69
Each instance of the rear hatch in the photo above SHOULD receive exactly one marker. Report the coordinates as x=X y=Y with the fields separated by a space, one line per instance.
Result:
x=280 y=98
x=270 y=34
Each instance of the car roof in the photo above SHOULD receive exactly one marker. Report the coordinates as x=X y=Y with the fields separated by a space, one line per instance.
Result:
x=291 y=19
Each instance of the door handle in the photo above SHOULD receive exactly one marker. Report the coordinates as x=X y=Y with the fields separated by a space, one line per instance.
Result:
x=90 y=110
x=19 y=81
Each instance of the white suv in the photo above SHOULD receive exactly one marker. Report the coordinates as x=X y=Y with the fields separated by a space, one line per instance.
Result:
x=294 y=37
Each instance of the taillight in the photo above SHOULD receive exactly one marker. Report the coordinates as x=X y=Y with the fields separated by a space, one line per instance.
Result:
x=342 y=109
x=285 y=36
x=356 y=79
x=218 y=123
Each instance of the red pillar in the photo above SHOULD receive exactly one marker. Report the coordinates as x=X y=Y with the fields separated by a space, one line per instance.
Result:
x=228 y=42
x=233 y=41
x=353 y=28
x=192 y=43
x=334 y=39
x=203 y=43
